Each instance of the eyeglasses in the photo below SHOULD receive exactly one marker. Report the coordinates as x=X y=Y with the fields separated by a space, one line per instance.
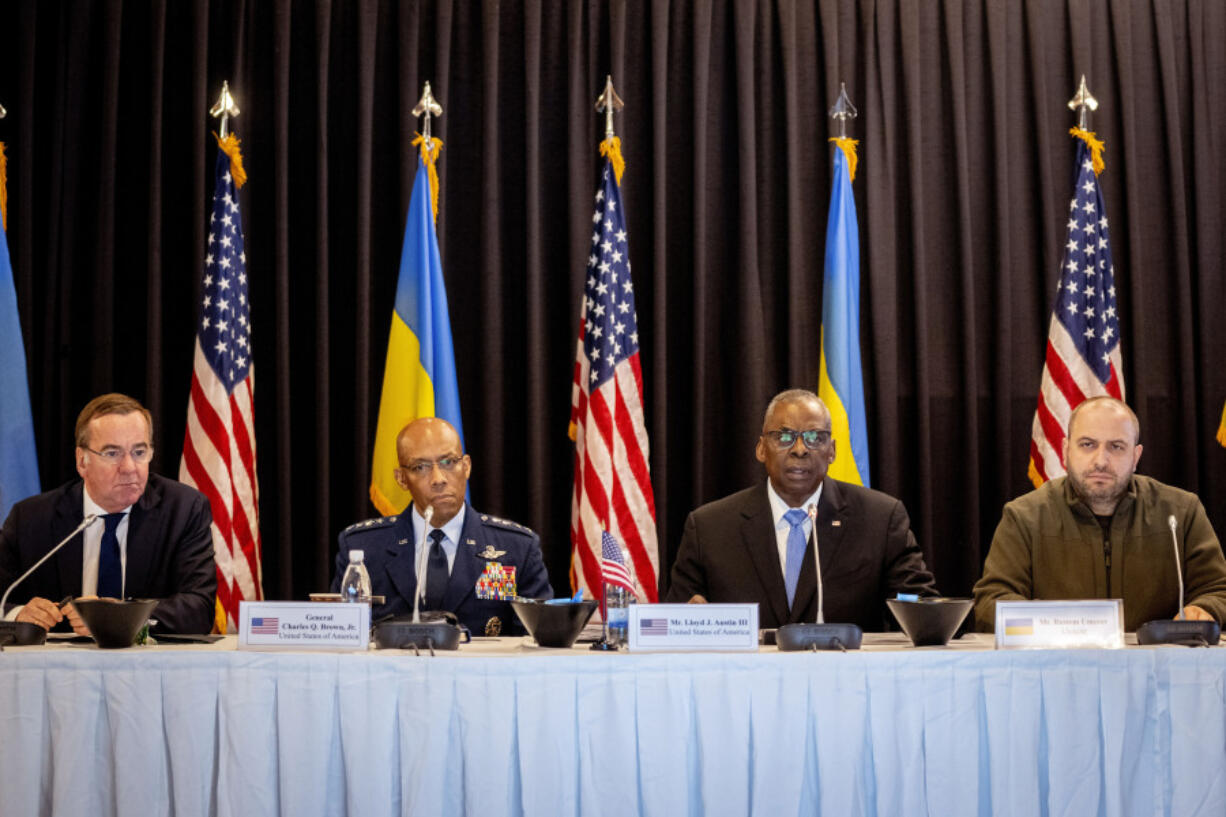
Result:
x=422 y=468
x=140 y=454
x=785 y=438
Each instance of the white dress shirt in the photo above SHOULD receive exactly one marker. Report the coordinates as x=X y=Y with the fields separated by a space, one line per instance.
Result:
x=782 y=526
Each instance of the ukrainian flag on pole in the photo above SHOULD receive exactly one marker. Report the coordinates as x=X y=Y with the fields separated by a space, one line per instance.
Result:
x=18 y=459
x=841 y=380
x=419 y=378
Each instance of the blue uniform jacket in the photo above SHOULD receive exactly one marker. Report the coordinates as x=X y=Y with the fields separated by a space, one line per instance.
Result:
x=489 y=551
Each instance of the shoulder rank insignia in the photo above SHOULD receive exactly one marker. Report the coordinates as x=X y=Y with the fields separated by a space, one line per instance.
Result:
x=505 y=524
x=371 y=524
x=490 y=553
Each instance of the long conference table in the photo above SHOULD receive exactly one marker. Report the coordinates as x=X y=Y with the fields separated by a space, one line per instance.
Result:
x=505 y=727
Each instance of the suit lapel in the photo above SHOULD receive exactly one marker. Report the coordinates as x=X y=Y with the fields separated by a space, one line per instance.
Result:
x=758 y=537
x=400 y=567
x=144 y=522
x=831 y=508
x=69 y=511
x=468 y=566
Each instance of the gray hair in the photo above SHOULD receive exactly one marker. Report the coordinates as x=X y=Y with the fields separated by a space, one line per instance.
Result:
x=791 y=396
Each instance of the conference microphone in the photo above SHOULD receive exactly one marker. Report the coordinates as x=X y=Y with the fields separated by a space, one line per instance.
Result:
x=818 y=635
x=1179 y=630
x=24 y=633
x=415 y=633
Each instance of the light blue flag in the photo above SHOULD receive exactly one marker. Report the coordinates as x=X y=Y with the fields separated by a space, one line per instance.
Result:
x=18 y=459
x=841 y=380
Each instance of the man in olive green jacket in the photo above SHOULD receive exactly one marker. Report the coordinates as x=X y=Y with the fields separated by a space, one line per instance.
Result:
x=1105 y=532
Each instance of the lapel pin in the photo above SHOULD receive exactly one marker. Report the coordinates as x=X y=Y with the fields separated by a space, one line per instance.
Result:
x=836 y=523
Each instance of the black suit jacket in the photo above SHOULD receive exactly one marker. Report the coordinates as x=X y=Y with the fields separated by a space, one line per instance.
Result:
x=729 y=553
x=170 y=551
x=388 y=545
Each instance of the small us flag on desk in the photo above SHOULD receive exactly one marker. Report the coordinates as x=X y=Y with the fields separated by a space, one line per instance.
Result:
x=264 y=626
x=653 y=626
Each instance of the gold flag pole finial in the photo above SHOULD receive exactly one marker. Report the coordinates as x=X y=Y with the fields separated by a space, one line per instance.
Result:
x=224 y=109
x=841 y=111
x=608 y=102
x=1083 y=103
x=428 y=107
x=3 y=113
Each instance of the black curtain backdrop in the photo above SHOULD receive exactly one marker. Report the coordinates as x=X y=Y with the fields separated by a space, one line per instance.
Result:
x=965 y=174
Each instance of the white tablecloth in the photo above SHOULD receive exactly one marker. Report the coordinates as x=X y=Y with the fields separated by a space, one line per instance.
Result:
x=508 y=728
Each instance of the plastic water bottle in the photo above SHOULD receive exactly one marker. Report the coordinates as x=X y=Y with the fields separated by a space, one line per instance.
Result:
x=355 y=584
x=617 y=607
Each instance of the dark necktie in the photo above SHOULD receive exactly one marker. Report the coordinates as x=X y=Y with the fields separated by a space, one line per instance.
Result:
x=110 y=567
x=437 y=573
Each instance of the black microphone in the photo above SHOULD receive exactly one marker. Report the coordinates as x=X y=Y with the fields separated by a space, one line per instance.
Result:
x=24 y=633
x=818 y=635
x=1179 y=630
x=414 y=634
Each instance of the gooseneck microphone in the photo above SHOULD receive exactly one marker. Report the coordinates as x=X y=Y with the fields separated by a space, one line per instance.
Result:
x=426 y=516
x=19 y=631
x=818 y=635
x=817 y=561
x=415 y=634
x=1170 y=521
x=1179 y=630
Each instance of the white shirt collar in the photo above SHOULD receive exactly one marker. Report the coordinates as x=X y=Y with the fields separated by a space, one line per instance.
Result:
x=451 y=530
x=779 y=507
x=89 y=506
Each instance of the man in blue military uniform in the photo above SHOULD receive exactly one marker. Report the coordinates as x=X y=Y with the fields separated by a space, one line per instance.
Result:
x=475 y=562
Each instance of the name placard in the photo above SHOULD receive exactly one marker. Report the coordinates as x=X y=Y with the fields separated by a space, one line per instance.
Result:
x=1097 y=623
x=693 y=627
x=300 y=625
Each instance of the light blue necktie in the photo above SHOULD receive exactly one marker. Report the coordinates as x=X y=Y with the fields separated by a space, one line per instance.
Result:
x=796 y=550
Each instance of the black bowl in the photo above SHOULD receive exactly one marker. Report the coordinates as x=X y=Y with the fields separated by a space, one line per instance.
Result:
x=929 y=622
x=21 y=634
x=553 y=625
x=114 y=623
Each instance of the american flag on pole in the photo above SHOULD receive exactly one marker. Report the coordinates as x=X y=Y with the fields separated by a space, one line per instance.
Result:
x=612 y=567
x=219 y=445
x=1083 y=342
x=612 y=477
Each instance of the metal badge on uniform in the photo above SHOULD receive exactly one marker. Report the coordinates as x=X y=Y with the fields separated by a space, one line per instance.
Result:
x=836 y=523
x=490 y=553
x=497 y=583
x=493 y=626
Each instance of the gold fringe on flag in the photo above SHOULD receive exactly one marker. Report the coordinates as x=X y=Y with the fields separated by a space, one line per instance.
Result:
x=219 y=615
x=611 y=147
x=848 y=146
x=1221 y=431
x=4 y=190
x=229 y=146
x=429 y=155
x=1095 y=144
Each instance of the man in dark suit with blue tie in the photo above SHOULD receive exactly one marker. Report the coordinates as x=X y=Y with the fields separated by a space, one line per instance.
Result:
x=152 y=538
x=757 y=546
x=475 y=562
